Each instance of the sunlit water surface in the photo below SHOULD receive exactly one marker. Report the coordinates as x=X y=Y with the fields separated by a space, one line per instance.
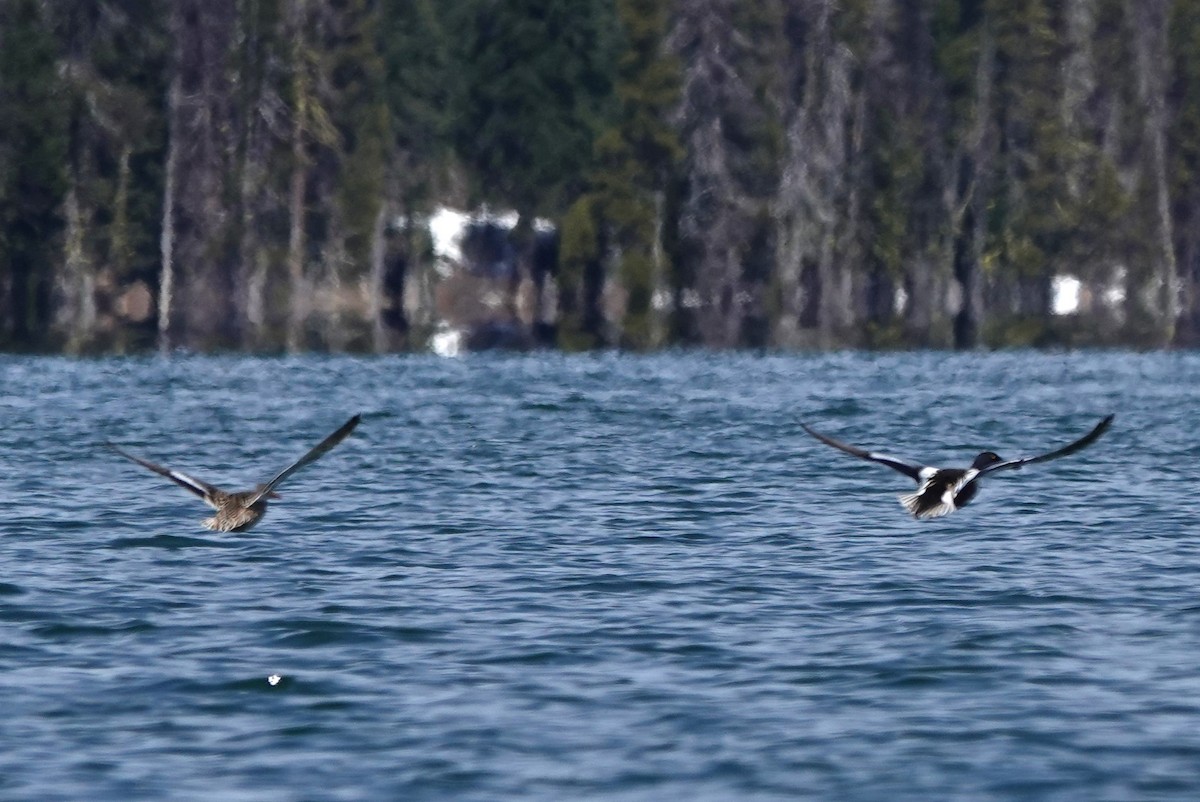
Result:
x=600 y=577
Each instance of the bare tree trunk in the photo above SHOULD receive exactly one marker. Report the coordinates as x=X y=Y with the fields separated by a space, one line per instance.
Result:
x=1079 y=82
x=297 y=291
x=840 y=248
x=418 y=303
x=660 y=296
x=379 y=338
x=967 y=244
x=921 y=290
x=727 y=93
x=252 y=262
x=120 y=250
x=812 y=183
x=968 y=218
x=77 y=290
x=166 y=282
x=202 y=127
x=255 y=295
x=1152 y=56
x=329 y=292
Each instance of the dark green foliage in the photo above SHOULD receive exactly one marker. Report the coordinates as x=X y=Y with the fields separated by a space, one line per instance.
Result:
x=613 y=232
x=420 y=81
x=33 y=156
x=1184 y=97
x=1184 y=162
x=736 y=174
x=358 y=104
x=1033 y=145
x=116 y=59
x=536 y=81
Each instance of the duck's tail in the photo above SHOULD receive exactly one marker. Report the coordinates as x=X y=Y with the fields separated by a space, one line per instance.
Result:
x=912 y=503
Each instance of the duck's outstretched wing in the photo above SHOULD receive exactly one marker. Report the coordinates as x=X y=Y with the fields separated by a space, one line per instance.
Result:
x=1078 y=445
x=909 y=469
x=314 y=453
x=190 y=483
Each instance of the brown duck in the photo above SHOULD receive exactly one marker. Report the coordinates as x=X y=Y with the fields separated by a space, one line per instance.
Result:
x=237 y=512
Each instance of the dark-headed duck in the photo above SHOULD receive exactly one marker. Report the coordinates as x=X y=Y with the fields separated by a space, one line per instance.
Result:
x=941 y=491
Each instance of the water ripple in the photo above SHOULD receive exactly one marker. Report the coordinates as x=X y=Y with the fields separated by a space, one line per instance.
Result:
x=552 y=577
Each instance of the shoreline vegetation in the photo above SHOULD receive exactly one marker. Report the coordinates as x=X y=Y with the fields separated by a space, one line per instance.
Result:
x=268 y=176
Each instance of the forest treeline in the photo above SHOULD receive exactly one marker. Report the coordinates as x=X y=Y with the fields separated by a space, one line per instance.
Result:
x=260 y=174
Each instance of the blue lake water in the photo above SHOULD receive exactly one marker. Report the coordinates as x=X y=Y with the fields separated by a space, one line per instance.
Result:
x=600 y=578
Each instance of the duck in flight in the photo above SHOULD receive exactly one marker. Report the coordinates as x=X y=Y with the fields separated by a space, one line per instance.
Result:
x=237 y=512
x=941 y=491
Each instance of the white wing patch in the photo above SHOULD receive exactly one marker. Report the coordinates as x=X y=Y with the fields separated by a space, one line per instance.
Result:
x=198 y=486
x=963 y=481
x=945 y=505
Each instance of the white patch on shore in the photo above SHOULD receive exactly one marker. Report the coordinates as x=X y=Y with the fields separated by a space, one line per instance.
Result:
x=446 y=341
x=1069 y=294
x=1066 y=294
x=445 y=229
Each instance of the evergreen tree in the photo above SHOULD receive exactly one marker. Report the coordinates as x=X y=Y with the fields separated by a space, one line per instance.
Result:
x=33 y=157
x=420 y=81
x=614 y=236
x=259 y=60
x=962 y=55
x=816 y=206
x=203 y=136
x=536 y=89
x=359 y=102
x=115 y=57
x=1026 y=230
x=1184 y=155
x=537 y=85
x=794 y=172
x=732 y=133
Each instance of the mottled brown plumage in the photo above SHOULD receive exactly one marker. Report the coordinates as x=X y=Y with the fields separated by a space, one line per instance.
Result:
x=237 y=512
